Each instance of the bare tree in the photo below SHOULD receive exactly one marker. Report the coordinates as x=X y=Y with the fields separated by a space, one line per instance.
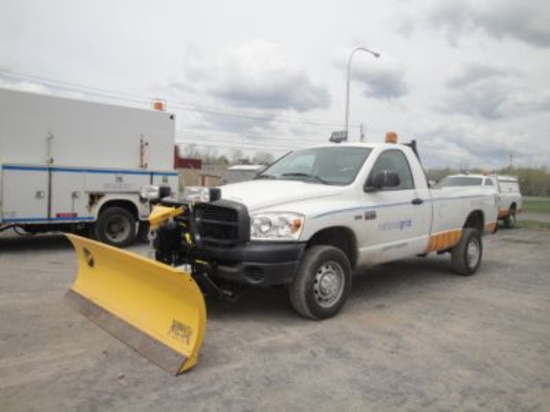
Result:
x=237 y=156
x=263 y=158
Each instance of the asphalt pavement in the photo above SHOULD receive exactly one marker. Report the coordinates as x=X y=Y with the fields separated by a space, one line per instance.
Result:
x=413 y=337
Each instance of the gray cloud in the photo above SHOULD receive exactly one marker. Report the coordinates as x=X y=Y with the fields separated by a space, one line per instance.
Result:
x=492 y=92
x=385 y=81
x=473 y=145
x=405 y=25
x=241 y=124
x=486 y=101
x=478 y=90
x=260 y=76
x=525 y=21
x=289 y=91
x=473 y=73
x=257 y=78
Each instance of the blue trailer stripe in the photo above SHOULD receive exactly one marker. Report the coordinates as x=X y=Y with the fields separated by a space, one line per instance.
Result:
x=46 y=220
x=25 y=168
x=174 y=174
x=91 y=171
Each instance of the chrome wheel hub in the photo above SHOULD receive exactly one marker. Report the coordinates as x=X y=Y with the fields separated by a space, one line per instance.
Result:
x=473 y=253
x=329 y=284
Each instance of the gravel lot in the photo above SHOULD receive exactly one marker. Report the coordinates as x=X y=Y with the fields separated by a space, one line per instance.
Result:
x=412 y=337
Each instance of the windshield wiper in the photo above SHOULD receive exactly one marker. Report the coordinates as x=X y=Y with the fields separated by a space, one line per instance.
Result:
x=307 y=175
x=262 y=176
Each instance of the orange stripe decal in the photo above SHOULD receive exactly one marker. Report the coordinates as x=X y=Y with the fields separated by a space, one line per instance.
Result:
x=444 y=240
x=503 y=213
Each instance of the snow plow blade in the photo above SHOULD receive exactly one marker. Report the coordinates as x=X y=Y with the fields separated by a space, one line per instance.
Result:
x=157 y=310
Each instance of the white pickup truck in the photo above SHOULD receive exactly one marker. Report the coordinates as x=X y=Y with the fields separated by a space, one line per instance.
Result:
x=510 y=201
x=318 y=215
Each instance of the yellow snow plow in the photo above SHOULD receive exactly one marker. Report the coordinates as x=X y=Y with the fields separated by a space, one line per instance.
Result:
x=156 y=309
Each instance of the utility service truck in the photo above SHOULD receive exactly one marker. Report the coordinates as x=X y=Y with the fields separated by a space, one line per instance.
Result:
x=308 y=223
x=78 y=166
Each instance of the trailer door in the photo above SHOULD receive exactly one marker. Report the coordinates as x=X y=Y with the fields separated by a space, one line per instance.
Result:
x=24 y=194
x=68 y=199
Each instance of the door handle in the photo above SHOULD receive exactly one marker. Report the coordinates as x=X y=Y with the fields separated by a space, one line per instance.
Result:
x=417 y=201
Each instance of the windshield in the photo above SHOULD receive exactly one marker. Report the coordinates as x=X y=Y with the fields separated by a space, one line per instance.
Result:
x=453 y=181
x=324 y=165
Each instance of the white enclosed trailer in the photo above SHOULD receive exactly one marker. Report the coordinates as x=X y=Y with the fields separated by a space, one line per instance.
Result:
x=73 y=165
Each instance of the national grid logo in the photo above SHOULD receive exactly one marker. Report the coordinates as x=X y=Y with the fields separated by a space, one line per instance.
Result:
x=395 y=225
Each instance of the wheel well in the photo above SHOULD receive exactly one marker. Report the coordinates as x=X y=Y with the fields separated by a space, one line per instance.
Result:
x=124 y=204
x=475 y=220
x=339 y=237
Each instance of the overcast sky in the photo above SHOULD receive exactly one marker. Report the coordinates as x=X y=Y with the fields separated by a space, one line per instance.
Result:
x=469 y=80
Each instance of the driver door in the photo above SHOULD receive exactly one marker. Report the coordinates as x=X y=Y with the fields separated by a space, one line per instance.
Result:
x=399 y=216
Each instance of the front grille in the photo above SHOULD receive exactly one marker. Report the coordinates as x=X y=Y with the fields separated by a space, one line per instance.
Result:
x=219 y=214
x=222 y=223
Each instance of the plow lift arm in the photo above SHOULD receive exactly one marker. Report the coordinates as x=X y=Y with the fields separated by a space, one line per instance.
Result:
x=177 y=243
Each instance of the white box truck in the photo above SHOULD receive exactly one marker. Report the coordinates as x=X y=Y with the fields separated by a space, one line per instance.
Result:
x=79 y=166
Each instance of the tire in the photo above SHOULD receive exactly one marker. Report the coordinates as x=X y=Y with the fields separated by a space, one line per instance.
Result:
x=116 y=226
x=466 y=256
x=510 y=220
x=322 y=284
x=142 y=234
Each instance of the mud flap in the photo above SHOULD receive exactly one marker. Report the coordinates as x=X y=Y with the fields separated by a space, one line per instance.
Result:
x=157 y=310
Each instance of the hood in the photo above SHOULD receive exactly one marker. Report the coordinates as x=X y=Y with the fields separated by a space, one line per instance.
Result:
x=259 y=194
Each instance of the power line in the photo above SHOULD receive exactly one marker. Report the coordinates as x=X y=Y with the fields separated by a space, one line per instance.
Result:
x=73 y=87
x=177 y=105
x=225 y=143
x=236 y=145
x=267 y=136
x=269 y=118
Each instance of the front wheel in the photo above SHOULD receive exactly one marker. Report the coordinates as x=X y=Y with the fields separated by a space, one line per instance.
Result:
x=322 y=284
x=466 y=256
x=115 y=226
x=510 y=220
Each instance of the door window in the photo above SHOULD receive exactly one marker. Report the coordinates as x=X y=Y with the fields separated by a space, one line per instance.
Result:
x=395 y=161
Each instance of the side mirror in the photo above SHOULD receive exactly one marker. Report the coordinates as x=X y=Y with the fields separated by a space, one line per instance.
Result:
x=382 y=180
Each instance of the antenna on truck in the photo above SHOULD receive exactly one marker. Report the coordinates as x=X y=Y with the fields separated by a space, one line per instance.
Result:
x=412 y=145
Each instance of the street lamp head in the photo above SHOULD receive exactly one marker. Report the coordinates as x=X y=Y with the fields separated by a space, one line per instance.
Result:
x=375 y=54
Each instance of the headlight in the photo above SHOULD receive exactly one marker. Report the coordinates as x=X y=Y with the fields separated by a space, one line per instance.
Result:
x=196 y=194
x=276 y=226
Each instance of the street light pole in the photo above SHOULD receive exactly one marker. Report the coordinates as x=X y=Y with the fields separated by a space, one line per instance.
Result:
x=348 y=79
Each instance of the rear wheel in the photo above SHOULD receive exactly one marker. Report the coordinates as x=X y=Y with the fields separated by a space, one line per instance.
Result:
x=510 y=220
x=116 y=226
x=322 y=284
x=466 y=256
